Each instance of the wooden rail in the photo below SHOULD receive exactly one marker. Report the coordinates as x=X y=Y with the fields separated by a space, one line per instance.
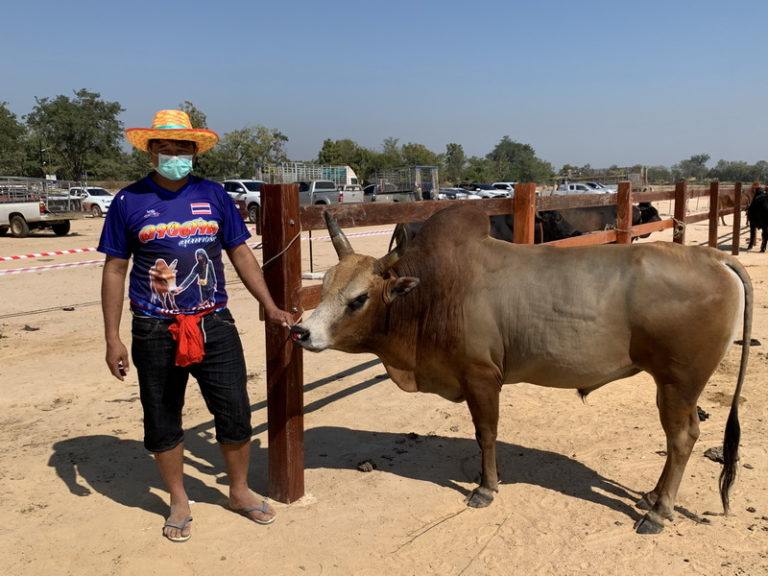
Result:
x=284 y=220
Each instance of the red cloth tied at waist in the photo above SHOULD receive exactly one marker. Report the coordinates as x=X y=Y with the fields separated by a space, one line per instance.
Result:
x=186 y=331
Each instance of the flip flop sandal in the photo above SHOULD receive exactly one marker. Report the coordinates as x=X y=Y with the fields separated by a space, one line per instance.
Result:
x=263 y=508
x=181 y=527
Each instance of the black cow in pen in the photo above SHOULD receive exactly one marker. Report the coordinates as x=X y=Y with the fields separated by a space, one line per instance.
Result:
x=757 y=216
x=550 y=225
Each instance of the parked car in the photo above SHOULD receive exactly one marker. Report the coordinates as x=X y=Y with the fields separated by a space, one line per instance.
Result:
x=601 y=188
x=490 y=191
x=242 y=208
x=508 y=186
x=94 y=199
x=576 y=188
x=327 y=192
x=456 y=194
x=250 y=192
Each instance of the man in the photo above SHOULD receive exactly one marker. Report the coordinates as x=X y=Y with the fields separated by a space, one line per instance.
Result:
x=171 y=216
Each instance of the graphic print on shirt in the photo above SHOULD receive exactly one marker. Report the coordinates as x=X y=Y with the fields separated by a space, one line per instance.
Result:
x=204 y=275
x=181 y=237
x=162 y=284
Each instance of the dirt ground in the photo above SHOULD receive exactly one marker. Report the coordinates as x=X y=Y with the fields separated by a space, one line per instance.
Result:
x=80 y=495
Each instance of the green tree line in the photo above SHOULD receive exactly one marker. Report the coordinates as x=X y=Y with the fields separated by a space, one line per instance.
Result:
x=80 y=137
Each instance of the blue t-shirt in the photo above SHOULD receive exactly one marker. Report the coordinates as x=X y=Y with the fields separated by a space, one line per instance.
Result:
x=176 y=241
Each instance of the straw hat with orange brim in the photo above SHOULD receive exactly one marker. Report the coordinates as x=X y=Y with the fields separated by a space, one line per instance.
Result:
x=172 y=125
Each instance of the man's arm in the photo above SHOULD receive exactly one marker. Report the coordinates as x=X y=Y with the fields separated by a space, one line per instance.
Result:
x=250 y=273
x=112 y=295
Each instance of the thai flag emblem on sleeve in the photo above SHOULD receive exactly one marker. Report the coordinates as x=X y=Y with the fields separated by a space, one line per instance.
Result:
x=199 y=208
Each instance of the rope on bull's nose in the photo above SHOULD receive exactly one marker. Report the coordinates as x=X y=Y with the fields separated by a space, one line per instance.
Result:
x=289 y=338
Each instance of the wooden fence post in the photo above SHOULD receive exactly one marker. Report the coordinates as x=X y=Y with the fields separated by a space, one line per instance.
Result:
x=281 y=241
x=736 y=218
x=714 y=209
x=624 y=214
x=524 y=213
x=681 y=207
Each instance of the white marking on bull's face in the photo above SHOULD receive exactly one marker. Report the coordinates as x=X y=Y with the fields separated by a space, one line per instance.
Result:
x=353 y=306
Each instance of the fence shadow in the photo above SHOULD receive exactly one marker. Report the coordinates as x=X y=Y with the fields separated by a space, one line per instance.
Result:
x=455 y=462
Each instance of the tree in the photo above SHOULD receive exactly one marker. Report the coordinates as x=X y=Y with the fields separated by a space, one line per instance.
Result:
x=726 y=171
x=568 y=171
x=515 y=162
x=659 y=175
x=418 y=155
x=240 y=152
x=341 y=152
x=761 y=171
x=391 y=157
x=76 y=133
x=330 y=153
x=695 y=167
x=477 y=170
x=196 y=117
x=136 y=164
x=454 y=161
x=12 y=134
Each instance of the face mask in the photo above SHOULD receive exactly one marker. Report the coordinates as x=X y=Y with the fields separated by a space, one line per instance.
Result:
x=174 y=167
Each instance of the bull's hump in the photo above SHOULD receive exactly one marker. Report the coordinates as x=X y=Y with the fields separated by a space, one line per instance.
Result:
x=457 y=224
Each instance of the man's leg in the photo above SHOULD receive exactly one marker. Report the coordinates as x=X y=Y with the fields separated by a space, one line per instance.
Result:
x=237 y=457
x=162 y=386
x=171 y=466
x=223 y=382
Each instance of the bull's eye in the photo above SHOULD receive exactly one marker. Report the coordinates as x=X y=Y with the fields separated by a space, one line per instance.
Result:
x=357 y=303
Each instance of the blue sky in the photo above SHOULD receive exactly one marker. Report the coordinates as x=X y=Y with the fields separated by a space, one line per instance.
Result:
x=591 y=82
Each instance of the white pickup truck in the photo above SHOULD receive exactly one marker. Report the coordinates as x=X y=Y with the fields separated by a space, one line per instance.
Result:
x=24 y=207
x=249 y=192
x=583 y=188
x=328 y=192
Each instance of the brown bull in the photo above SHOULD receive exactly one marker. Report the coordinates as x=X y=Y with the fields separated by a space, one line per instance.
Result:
x=460 y=314
x=727 y=199
x=162 y=283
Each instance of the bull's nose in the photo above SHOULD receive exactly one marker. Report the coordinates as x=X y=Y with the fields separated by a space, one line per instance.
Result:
x=299 y=333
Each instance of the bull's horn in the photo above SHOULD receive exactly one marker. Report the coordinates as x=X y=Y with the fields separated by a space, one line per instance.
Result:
x=340 y=242
x=386 y=262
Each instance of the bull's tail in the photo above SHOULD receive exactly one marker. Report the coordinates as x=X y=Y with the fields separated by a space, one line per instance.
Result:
x=732 y=426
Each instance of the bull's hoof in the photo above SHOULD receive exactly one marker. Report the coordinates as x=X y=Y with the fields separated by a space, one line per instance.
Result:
x=480 y=497
x=649 y=525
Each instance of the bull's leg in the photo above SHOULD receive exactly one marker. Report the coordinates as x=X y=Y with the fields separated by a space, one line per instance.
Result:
x=764 y=239
x=680 y=420
x=752 y=236
x=483 y=400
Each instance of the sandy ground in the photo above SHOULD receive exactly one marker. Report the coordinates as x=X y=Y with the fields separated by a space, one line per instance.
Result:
x=80 y=495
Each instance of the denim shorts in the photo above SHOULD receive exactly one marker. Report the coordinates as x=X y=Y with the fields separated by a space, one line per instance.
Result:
x=221 y=376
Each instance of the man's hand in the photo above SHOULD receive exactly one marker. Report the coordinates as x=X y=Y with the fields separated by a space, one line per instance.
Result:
x=117 y=360
x=279 y=316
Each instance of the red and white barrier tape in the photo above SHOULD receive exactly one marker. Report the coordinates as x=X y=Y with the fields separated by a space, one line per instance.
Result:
x=352 y=235
x=101 y=261
x=43 y=254
x=50 y=267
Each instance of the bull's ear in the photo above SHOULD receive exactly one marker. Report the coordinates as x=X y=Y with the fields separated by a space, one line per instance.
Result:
x=399 y=287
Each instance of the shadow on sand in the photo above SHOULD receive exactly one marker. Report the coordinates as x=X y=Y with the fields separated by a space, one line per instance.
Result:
x=125 y=472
